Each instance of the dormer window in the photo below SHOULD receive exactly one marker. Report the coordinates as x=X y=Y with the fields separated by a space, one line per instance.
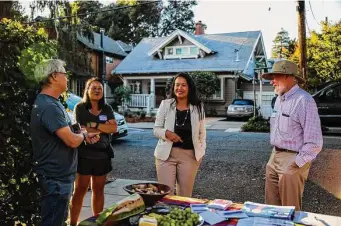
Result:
x=179 y=52
x=170 y=51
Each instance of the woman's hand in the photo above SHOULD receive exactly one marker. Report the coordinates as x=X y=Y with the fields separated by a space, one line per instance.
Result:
x=173 y=137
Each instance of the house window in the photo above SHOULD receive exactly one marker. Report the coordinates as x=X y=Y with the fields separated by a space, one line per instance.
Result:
x=218 y=94
x=194 y=50
x=169 y=51
x=176 y=52
x=109 y=60
x=80 y=86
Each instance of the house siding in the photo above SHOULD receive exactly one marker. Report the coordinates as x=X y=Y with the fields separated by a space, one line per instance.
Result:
x=219 y=106
x=249 y=87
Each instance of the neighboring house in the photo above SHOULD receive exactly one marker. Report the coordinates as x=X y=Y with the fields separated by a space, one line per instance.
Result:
x=114 y=52
x=232 y=56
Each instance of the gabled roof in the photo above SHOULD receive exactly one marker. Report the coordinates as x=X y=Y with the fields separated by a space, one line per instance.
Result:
x=174 y=35
x=139 y=61
x=110 y=46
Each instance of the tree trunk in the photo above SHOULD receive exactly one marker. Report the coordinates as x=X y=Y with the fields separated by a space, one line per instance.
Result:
x=5 y=9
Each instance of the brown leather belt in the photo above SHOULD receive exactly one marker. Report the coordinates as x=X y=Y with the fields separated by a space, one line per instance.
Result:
x=284 y=150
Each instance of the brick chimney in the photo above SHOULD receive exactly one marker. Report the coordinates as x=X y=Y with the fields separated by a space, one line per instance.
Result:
x=199 y=28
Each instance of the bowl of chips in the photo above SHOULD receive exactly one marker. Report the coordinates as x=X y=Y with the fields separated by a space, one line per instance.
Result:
x=150 y=192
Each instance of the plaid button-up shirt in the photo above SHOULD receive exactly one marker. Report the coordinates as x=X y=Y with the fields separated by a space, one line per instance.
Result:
x=295 y=125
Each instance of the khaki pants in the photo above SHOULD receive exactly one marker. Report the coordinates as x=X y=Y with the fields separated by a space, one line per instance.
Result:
x=285 y=181
x=181 y=168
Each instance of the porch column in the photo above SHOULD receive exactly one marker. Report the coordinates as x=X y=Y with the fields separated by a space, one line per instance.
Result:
x=124 y=104
x=222 y=79
x=125 y=82
x=152 y=92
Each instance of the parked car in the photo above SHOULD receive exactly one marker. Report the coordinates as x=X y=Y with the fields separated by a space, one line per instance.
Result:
x=122 y=127
x=328 y=101
x=240 y=108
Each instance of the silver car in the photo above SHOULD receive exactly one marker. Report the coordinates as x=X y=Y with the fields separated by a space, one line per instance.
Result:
x=240 y=108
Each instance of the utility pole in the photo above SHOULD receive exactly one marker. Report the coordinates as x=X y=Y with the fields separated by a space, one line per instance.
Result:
x=302 y=38
x=102 y=68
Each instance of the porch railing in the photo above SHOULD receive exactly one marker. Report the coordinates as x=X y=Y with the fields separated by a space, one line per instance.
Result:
x=139 y=100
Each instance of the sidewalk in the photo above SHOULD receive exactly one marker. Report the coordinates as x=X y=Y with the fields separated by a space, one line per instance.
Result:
x=212 y=123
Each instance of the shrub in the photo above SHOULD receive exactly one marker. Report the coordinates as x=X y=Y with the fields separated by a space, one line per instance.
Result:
x=19 y=196
x=143 y=115
x=256 y=124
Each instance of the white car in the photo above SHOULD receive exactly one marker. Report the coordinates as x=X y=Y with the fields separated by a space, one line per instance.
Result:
x=122 y=127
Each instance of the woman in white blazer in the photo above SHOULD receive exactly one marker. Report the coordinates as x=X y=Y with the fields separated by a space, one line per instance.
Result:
x=180 y=127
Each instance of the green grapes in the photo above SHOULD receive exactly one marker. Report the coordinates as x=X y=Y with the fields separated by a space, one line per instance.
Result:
x=177 y=217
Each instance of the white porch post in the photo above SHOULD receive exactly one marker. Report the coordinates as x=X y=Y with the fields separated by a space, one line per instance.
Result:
x=222 y=79
x=124 y=104
x=125 y=82
x=152 y=92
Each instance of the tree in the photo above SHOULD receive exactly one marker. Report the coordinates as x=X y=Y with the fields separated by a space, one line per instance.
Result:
x=177 y=15
x=19 y=196
x=121 y=94
x=207 y=84
x=324 y=53
x=283 y=46
x=77 y=58
x=130 y=24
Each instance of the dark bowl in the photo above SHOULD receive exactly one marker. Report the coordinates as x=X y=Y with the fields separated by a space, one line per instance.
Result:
x=149 y=199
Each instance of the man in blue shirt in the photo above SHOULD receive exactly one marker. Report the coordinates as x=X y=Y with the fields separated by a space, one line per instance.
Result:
x=54 y=143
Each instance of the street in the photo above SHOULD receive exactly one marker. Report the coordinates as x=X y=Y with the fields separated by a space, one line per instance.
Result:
x=234 y=168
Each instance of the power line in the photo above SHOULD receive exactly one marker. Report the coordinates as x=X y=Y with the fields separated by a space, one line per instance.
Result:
x=89 y=13
x=306 y=21
x=312 y=12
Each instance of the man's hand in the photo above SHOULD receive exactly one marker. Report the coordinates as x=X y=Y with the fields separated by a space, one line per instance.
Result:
x=92 y=137
x=173 y=137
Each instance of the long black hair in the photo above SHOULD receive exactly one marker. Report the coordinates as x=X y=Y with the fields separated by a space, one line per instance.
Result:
x=86 y=98
x=193 y=98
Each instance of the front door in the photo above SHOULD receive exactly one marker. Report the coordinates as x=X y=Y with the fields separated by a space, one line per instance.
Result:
x=160 y=94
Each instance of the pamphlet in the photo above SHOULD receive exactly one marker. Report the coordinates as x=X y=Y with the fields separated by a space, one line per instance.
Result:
x=253 y=209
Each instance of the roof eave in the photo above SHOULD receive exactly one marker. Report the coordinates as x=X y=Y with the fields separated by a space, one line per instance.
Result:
x=174 y=35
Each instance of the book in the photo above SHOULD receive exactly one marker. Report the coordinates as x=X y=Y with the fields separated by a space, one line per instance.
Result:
x=219 y=204
x=198 y=208
x=253 y=209
x=237 y=214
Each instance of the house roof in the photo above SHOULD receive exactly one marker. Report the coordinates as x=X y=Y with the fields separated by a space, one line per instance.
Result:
x=110 y=46
x=175 y=34
x=223 y=60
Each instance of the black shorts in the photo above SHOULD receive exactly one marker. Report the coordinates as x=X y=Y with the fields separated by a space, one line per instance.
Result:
x=94 y=167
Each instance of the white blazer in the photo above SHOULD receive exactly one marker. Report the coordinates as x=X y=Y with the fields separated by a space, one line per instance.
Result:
x=165 y=120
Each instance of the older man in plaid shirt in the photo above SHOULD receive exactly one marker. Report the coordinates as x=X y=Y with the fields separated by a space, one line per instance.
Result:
x=295 y=135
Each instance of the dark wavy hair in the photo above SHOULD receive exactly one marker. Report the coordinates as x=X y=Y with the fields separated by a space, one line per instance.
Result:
x=193 y=98
x=86 y=98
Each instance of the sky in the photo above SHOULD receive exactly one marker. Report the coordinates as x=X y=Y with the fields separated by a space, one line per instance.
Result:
x=223 y=16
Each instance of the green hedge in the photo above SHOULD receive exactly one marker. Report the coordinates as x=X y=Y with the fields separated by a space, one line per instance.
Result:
x=256 y=124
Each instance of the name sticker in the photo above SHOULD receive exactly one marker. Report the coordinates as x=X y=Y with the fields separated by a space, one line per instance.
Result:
x=103 y=118
x=274 y=114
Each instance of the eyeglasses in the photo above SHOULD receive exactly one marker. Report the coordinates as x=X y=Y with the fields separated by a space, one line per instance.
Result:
x=64 y=73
